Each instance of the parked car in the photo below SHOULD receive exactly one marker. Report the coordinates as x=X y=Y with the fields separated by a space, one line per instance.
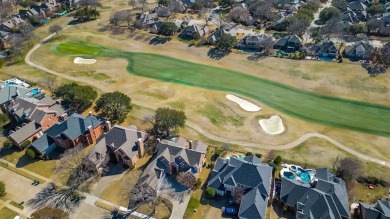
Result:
x=231 y=201
x=229 y=210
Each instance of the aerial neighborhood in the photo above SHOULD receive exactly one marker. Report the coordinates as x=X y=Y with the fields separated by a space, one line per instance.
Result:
x=253 y=109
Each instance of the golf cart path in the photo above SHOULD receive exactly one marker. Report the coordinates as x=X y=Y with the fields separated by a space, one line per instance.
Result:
x=201 y=130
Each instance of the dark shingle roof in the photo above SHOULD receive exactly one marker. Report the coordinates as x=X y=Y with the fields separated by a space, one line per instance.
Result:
x=250 y=173
x=74 y=126
x=379 y=210
x=329 y=199
x=25 y=132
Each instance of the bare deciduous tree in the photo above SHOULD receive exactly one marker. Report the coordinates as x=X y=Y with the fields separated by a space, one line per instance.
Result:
x=240 y=15
x=267 y=45
x=133 y=3
x=6 y=9
x=50 y=82
x=238 y=194
x=348 y=168
x=186 y=179
x=298 y=27
x=117 y=17
x=144 y=4
x=89 y=3
x=142 y=193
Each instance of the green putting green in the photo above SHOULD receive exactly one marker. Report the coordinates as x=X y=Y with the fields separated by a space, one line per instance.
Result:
x=309 y=106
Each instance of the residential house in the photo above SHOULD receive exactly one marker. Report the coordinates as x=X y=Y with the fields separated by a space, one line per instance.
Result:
x=278 y=20
x=75 y=130
x=379 y=210
x=328 y=198
x=349 y=16
x=195 y=31
x=48 y=7
x=358 y=51
x=325 y=49
x=173 y=157
x=25 y=14
x=12 y=92
x=357 y=6
x=255 y=42
x=145 y=21
x=162 y=11
x=34 y=116
x=248 y=173
x=123 y=145
x=224 y=29
x=386 y=17
x=289 y=43
x=14 y=23
x=155 y=28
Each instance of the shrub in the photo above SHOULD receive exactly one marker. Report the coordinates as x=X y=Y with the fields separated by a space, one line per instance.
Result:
x=278 y=160
x=198 y=183
x=248 y=153
x=274 y=167
x=2 y=189
x=7 y=143
x=3 y=119
x=48 y=212
x=30 y=153
x=258 y=155
x=26 y=144
x=210 y=192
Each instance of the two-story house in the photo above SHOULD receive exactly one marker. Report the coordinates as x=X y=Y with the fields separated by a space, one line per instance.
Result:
x=358 y=51
x=119 y=144
x=254 y=42
x=250 y=174
x=33 y=117
x=195 y=30
x=289 y=43
x=75 y=130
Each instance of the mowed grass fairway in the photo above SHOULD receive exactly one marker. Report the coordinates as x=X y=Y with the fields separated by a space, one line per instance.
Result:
x=309 y=106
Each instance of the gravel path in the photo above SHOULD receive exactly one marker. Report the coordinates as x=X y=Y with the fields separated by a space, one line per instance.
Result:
x=199 y=129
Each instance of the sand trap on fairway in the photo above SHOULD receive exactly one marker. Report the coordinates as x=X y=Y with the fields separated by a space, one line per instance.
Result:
x=273 y=125
x=79 y=60
x=246 y=105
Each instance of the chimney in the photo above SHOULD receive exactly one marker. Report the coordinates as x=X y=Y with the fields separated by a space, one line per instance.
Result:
x=190 y=144
x=91 y=134
x=107 y=125
x=141 y=147
x=90 y=113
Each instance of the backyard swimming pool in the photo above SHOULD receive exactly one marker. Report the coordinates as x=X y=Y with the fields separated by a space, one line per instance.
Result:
x=304 y=175
x=35 y=91
x=298 y=173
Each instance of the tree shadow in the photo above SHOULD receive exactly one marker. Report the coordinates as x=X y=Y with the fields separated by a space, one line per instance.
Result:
x=217 y=54
x=256 y=57
x=114 y=169
x=374 y=70
x=73 y=22
x=159 y=40
x=279 y=211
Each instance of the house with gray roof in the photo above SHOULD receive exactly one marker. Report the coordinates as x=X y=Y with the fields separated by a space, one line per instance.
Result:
x=126 y=144
x=325 y=49
x=33 y=117
x=379 y=210
x=248 y=173
x=26 y=13
x=11 y=24
x=328 y=198
x=145 y=21
x=12 y=92
x=75 y=130
x=349 y=16
x=289 y=43
x=195 y=30
x=173 y=157
x=254 y=42
x=224 y=29
x=358 y=51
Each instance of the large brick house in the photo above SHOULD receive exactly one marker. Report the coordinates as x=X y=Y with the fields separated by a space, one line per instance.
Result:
x=119 y=144
x=75 y=130
x=173 y=157
x=33 y=117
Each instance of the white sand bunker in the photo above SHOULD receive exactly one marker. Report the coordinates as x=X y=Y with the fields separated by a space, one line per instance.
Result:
x=79 y=60
x=244 y=104
x=273 y=125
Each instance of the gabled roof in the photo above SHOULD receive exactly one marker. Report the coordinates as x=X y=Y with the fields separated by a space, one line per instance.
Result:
x=25 y=132
x=357 y=6
x=250 y=173
x=121 y=138
x=379 y=210
x=329 y=199
x=8 y=93
x=74 y=126
x=360 y=46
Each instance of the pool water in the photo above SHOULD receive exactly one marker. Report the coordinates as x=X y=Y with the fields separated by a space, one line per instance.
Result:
x=9 y=83
x=304 y=175
x=35 y=91
x=289 y=175
x=240 y=156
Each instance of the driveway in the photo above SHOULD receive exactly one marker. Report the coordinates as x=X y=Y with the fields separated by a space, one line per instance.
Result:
x=89 y=211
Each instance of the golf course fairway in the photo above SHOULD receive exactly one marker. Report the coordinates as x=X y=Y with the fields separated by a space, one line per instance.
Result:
x=331 y=111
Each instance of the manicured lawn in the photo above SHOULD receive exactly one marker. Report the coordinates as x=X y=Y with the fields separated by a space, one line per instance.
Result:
x=309 y=106
x=7 y=213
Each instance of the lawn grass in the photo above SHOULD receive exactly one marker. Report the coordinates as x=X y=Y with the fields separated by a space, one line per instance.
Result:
x=104 y=206
x=16 y=205
x=309 y=106
x=7 y=213
x=217 y=117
